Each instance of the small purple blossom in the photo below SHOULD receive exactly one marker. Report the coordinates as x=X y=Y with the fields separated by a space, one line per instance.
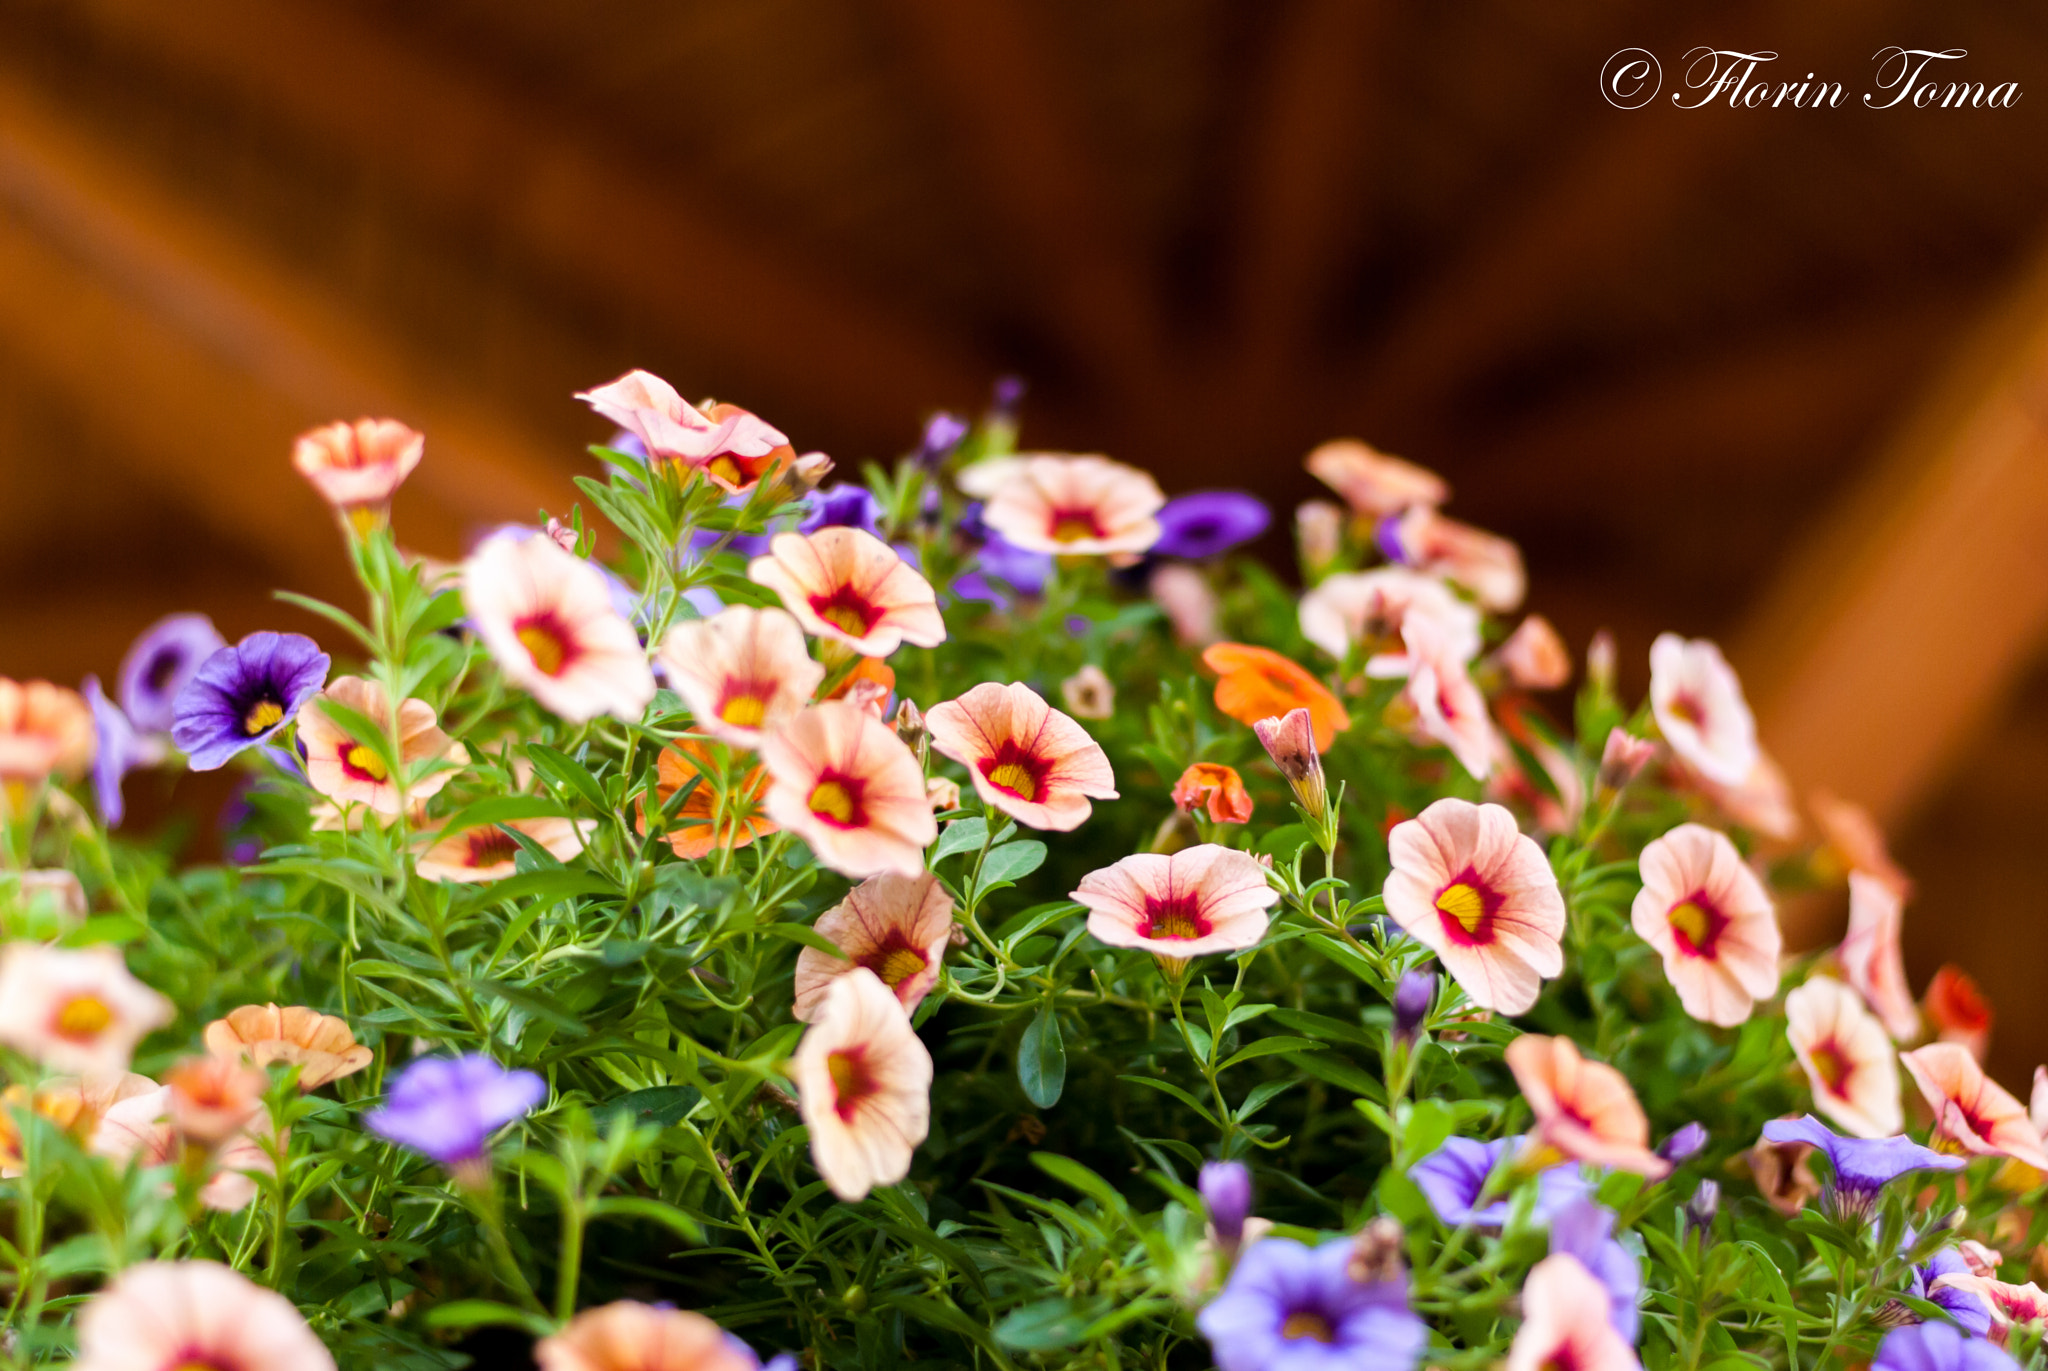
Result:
x=738 y=1347
x=1009 y=393
x=942 y=433
x=1702 y=1207
x=1939 y=1347
x=1862 y=1166
x=448 y=1107
x=1453 y=1177
x=1387 y=534
x=1586 y=1231
x=844 y=505
x=243 y=695
x=158 y=665
x=116 y=751
x=999 y=566
x=1965 y=1307
x=1288 y=1307
x=1411 y=1003
x=1227 y=1190
x=1209 y=522
x=1683 y=1143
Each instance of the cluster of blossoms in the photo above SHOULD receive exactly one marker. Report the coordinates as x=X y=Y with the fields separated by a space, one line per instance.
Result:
x=690 y=891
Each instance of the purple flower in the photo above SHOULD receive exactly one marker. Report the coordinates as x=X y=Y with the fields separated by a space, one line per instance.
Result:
x=1701 y=1208
x=1586 y=1231
x=1209 y=522
x=158 y=665
x=448 y=1107
x=1411 y=1003
x=1009 y=394
x=844 y=505
x=241 y=695
x=1227 y=1190
x=995 y=561
x=116 y=751
x=942 y=433
x=1965 y=1308
x=1454 y=1176
x=1683 y=1144
x=1292 y=1308
x=1862 y=1166
x=1939 y=1347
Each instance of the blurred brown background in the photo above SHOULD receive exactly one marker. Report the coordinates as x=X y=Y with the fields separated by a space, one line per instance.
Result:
x=1774 y=375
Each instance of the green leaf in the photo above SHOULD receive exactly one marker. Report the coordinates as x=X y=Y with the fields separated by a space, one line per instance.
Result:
x=635 y=1207
x=1284 y=841
x=1169 y=1088
x=565 y=771
x=1049 y=1324
x=1271 y=1047
x=805 y=935
x=500 y=809
x=962 y=835
x=1070 y=1172
x=663 y=1105
x=1042 y=1058
x=483 y=1313
x=1011 y=862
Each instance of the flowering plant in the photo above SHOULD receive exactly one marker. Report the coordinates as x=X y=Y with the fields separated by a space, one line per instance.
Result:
x=961 y=918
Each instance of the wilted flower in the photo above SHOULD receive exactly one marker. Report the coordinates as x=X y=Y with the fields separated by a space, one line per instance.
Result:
x=1622 y=759
x=1699 y=708
x=1936 y=1346
x=1208 y=523
x=356 y=467
x=1534 y=657
x=1710 y=919
x=629 y=1336
x=1371 y=482
x=75 y=1011
x=1198 y=900
x=1585 y=1231
x=706 y=819
x=347 y=770
x=1288 y=1307
x=43 y=728
x=1584 y=1110
x=1468 y=885
x=548 y=619
x=1567 y=1321
x=1484 y=563
x=1185 y=597
x=323 y=1047
x=193 y=1314
x=1024 y=757
x=1783 y=1172
x=1378 y=1252
x=1257 y=683
x=896 y=926
x=1089 y=693
x=1227 y=1192
x=447 y=1108
x=1848 y=1060
x=1971 y=1111
x=486 y=852
x=853 y=588
x=1453 y=1179
x=1871 y=957
x=158 y=665
x=1076 y=506
x=845 y=783
x=1370 y=609
x=1318 y=535
x=743 y=671
x=1862 y=1167
x=1216 y=788
x=863 y=1086
x=1959 y=1011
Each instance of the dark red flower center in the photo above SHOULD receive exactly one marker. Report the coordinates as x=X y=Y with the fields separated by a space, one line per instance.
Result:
x=1832 y=1065
x=1073 y=524
x=548 y=642
x=848 y=610
x=853 y=1080
x=836 y=798
x=1696 y=924
x=1016 y=770
x=490 y=846
x=1465 y=908
x=1178 y=919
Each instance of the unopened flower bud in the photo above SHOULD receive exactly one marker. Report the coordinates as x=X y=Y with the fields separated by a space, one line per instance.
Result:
x=563 y=536
x=1227 y=1190
x=1009 y=393
x=1683 y=1143
x=1378 y=1252
x=1600 y=662
x=1290 y=741
x=942 y=433
x=909 y=723
x=1184 y=595
x=1411 y=1003
x=1089 y=693
x=1701 y=1208
x=1623 y=759
x=1318 y=534
x=809 y=471
x=943 y=793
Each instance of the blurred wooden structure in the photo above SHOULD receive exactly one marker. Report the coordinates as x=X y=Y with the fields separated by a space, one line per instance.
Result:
x=1770 y=375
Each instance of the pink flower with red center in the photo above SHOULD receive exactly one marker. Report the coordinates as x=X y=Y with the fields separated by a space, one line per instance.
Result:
x=547 y=618
x=863 y=1086
x=1025 y=757
x=1584 y=1110
x=847 y=585
x=1486 y=564
x=1076 y=506
x=1847 y=1057
x=43 y=728
x=1854 y=842
x=729 y=445
x=1369 y=609
x=1972 y=1112
x=743 y=671
x=75 y=1011
x=1449 y=708
x=1372 y=483
x=1198 y=900
x=628 y=1336
x=1566 y=1325
x=895 y=926
x=1698 y=704
x=2010 y=1304
x=1470 y=886
x=488 y=853
x=358 y=466
x=845 y=783
x=1709 y=917
x=349 y=771
x=1871 y=956
x=194 y=1315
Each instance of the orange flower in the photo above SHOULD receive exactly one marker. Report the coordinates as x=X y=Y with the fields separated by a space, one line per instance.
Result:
x=1584 y=1110
x=1218 y=788
x=707 y=819
x=213 y=1099
x=43 y=728
x=1972 y=1112
x=1257 y=683
x=320 y=1045
x=1958 y=1009
x=357 y=466
x=626 y=1336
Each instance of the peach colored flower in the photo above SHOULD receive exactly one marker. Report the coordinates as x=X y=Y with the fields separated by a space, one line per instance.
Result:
x=943 y=793
x=1534 y=657
x=1847 y=1057
x=348 y=771
x=1372 y=483
x=139 y=1130
x=1076 y=506
x=1198 y=900
x=1467 y=884
x=735 y=460
x=1257 y=683
x=1024 y=757
x=1584 y=1110
x=729 y=445
x=1089 y=693
x=75 y=1104
x=863 y=1086
x=743 y=671
x=1216 y=788
x=1711 y=921
x=1370 y=608
x=548 y=619
x=981 y=480
x=1784 y=1172
x=847 y=585
x=628 y=1336
x=1484 y=563
x=1566 y=1324
x=44 y=728
x=1622 y=759
x=1958 y=1009
x=54 y=888
x=869 y=685
x=1449 y=708
x=193 y=1314
x=2010 y=1305
x=1853 y=839
x=844 y=782
x=895 y=926
x=714 y=815
x=1185 y=597
x=1972 y=1112
x=359 y=465
x=1699 y=708
x=214 y=1098
x=75 y=1011
x=487 y=853
x=1871 y=957
x=322 y=1046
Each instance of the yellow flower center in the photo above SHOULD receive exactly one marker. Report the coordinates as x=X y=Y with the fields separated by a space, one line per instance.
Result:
x=727 y=469
x=1690 y=922
x=744 y=711
x=847 y=618
x=832 y=800
x=1831 y=1066
x=360 y=758
x=1463 y=903
x=898 y=965
x=193 y=1365
x=1173 y=921
x=1305 y=1324
x=1072 y=528
x=84 y=1016
x=852 y=1082
x=1014 y=777
x=263 y=714
x=1688 y=709
x=544 y=644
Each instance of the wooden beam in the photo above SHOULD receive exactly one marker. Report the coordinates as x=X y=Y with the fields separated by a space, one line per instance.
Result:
x=641 y=233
